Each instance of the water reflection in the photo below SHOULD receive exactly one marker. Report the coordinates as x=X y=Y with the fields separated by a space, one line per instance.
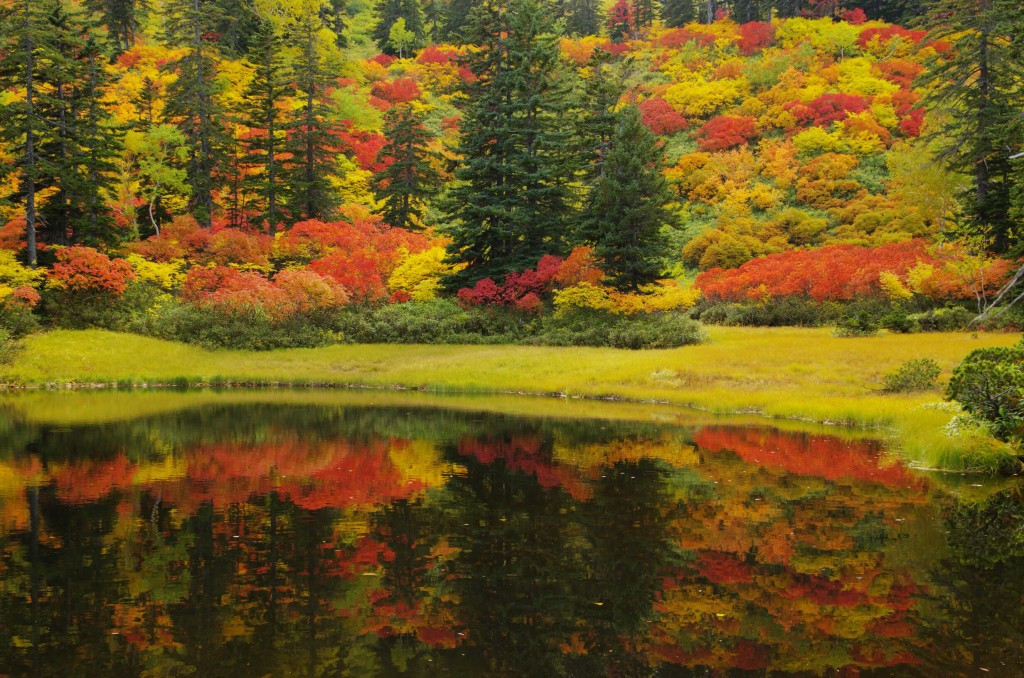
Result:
x=314 y=540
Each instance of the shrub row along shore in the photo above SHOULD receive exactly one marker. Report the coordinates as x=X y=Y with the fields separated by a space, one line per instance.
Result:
x=794 y=373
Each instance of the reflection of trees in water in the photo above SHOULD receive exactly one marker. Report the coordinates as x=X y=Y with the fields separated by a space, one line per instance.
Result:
x=981 y=588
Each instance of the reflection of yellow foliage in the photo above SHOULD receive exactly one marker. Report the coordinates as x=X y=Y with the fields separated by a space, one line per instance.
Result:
x=605 y=454
x=168 y=468
x=419 y=461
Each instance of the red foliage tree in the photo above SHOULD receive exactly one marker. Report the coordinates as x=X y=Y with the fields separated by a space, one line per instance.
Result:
x=399 y=90
x=726 y=131
x=855 y=16
x=434 y=55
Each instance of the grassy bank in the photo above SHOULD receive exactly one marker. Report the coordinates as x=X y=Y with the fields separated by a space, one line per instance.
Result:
x=792 y=373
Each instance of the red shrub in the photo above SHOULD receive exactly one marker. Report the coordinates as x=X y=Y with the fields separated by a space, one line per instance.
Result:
x=755 y=36
x=827 y=108
x=680 y=36
x=359 y=273
x=726 y=131
x=384 y=60
x=434 y=55
x=183 y=238
x=888 y=33
x=83 y=269
x=855 y=16
x=660 y=117
x=399 y=90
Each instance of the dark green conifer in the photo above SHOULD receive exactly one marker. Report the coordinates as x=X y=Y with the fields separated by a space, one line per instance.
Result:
x=678 y=13
x=510 y=203
x=390 y=11
x=271 y=84
x=193 y=99
x=627 y=207
x=405 y=186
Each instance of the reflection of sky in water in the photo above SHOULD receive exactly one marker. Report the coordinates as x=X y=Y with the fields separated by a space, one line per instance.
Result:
x=290 y=540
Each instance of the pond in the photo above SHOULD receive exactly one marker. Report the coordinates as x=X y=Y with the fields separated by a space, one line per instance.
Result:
x=321 y=534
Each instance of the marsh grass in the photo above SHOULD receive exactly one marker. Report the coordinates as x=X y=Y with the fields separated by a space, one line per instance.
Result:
x=796 y=373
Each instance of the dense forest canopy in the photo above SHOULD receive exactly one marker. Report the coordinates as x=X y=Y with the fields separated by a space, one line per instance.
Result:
x=288 y=158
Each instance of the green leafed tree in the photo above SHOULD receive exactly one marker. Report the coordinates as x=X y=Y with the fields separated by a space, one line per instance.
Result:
x=510 y=203
x=628 y=206
x=406 y=185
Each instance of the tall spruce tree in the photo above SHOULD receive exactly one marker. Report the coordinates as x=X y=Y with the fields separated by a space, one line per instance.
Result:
x=510 y=204
x=193 y=99
x=405 y=186
x=627 y=208
x=121 y=19
x=271 y=84
x=390 y=11
x=310 y=140
x=29 y=56
x=976 y=98
x=457 y=21
x=677 y=13
x=582 y=17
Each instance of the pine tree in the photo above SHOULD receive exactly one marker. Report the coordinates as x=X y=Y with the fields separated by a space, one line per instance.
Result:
x=192 y=99
x=457 y=23
x=628 y=206
x=29 y=53
x=262 y=100
x=510 y=205
x=121 y=19
x=975 y=94
x=310 y=141
x=582 y=17
x=390 y=11
x=335 y=17
x=405 y=186
x=677 y=13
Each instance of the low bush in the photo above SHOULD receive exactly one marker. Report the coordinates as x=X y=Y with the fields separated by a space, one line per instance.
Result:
x=781 y=312
x=989 y=384
x=914 y=375
x=950 y=319
x=8 y=346
x=437 y=321
x=639 y=331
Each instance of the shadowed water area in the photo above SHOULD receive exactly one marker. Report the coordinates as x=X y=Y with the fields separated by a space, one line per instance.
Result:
x=322 y=535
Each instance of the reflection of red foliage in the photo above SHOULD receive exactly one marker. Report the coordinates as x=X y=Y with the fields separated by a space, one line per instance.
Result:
x=749 y=656
x=89 y=480
x=809 y=455
x=724 y=568
x=525 y=454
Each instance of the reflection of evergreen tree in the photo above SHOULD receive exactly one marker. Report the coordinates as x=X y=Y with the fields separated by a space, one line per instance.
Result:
x=514 y=578
x=626 y=527
x=981 y=594
x=57 y=602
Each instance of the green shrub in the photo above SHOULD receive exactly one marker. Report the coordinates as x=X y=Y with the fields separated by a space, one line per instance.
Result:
x=250 y=329
x=857 y=324
x=17 y=320
x=593 y=328
x=784 y=312
x=439 y=321
x=989 y=384
x=943 y=319
x=8 y=346
x=899 y=321
x=914 y=375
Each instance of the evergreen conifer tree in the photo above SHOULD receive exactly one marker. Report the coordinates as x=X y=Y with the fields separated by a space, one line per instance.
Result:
x=510 y=204
x=310 y=140
x=457 y=21
x=582 y=17
x=270 y=85
x=390 y=11
x=678 y=13
x=121 y=19
x=627 y=208
x=192 y=99
x=975 y=93
x=405 y=186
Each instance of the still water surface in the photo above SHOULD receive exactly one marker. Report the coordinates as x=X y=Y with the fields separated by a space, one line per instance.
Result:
x=277 y=539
